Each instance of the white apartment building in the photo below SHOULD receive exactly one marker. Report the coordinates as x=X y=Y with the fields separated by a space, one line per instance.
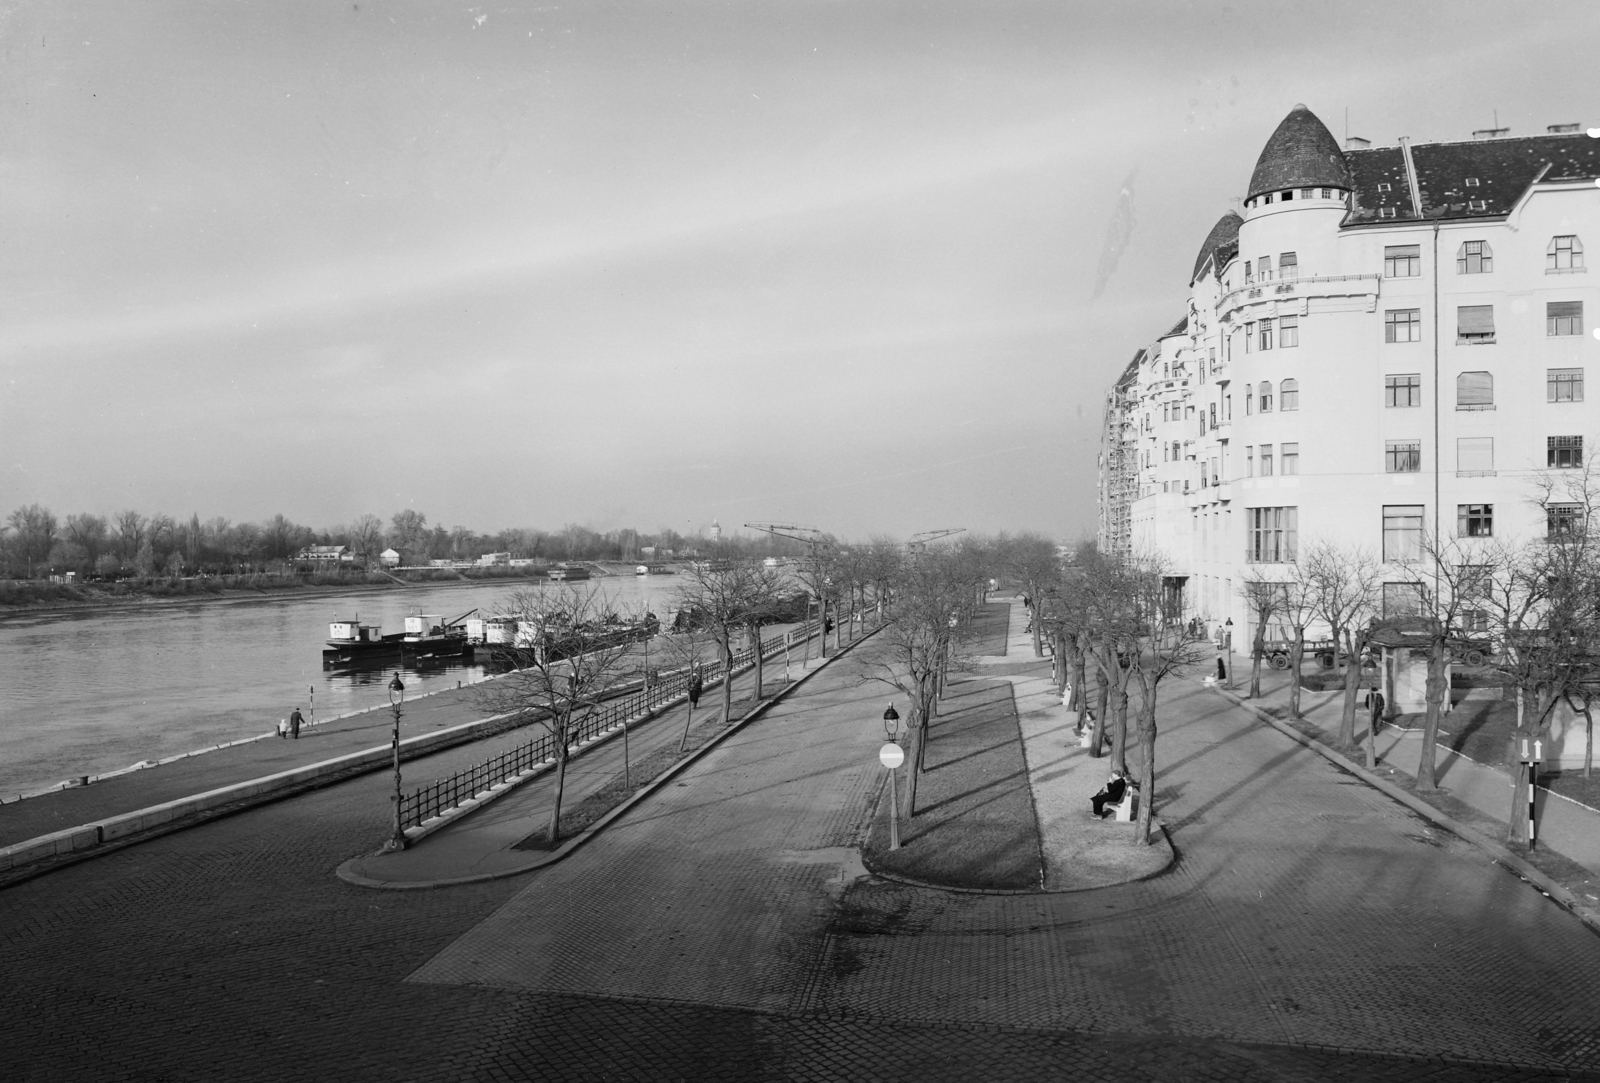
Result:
x=1389 y=342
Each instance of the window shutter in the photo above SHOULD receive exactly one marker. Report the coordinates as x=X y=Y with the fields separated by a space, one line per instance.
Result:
x=1475 y=320
x=1402 y=251
x=1475 y=454
x=1474 y=389
x=1563 y=309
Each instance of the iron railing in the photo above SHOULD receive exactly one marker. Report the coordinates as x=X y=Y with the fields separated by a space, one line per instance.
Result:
x=437 y=798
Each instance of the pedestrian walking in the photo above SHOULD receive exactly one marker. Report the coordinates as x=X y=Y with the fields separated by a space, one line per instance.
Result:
x=294 y=723
x=696 y=686
x=283 y=727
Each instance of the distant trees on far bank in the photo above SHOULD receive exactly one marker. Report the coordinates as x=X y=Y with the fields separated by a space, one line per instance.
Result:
x=35 y=542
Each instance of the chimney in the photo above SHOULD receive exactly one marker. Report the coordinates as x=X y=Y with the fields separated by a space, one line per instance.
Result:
x=1559 y=129
x=1355 y=142
x=1490 y=133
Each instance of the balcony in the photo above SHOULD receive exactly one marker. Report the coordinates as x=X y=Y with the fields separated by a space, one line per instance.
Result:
x=1294 y=289
x=1223 y=491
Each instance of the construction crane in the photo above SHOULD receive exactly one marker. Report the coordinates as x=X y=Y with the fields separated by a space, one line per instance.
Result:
x=809 y=534
x=919 y=542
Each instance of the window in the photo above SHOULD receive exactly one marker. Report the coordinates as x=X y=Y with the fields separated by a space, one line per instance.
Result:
x=1563 y=385
x=1474 y=520
x=1307 y=193
x=1402 y=456
x=1227 y=407
x=1563 y=318
x=1288 y=332
x=1474 y=389
x=1477 y=205
x=1474 y=258
x=1474 y=620
x=1564 y=254
x=1288 y=265
x=1564 y=452
x=1327 y=193
x=1401 y=600
x=1286 y=196
x=1264 y=268
x=1402 y=325
x=1213 y=415
x=1267 y=198
x=1249 y=401
x=1402 y=533
x=1385 y=186
x=1266 y=460
x=1386 y=212
x=1273 y=537
x=1402 y=390
x=1402 y=260
x=1474 y=455
x=1265 y=391
x=1249 y=336
x=1291 y=460
x=1249 y=272
x=1289 y=395
x=1563 y=520
x=1249 y=461
x=1474 y=324
x=1472 y=182
x=1265 y=340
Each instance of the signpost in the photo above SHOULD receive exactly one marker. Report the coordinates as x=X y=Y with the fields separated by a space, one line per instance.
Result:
x=891 y=755
x=1528 y=748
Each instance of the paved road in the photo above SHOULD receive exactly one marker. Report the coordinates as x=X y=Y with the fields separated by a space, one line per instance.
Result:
x=1311 y=930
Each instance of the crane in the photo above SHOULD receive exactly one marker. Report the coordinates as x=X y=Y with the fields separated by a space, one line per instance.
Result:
x=919 y=542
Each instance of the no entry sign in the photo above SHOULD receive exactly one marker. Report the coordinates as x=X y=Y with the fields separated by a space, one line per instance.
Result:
x=891 y=755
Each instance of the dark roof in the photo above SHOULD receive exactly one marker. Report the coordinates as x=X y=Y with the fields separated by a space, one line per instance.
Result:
x=1131 y=372
x=1220 y=245
x=1178 y=328
x=1503 y=168
x=1301 y=153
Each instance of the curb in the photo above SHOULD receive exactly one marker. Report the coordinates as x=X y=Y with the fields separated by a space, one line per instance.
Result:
x=1497 y=852
x=347 y=873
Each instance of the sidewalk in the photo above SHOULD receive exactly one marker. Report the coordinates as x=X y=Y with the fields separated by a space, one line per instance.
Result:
x=485 y=843
x=1570 y=829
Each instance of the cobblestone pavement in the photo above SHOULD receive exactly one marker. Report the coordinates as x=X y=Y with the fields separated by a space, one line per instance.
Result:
x=1311 y=931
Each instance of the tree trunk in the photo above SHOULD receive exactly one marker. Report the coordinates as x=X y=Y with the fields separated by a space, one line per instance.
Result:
x=1119 y=732
x=1297 y=650
x=1102 y=701
x=755 y=634
x=561 y=785
x=1079 y=676
x=1147 y=769
x=727 y=679
x=916 y=737
x=822 y=625
x=1352 y=681
x=1257 y=649
x=683 y=742
x=1033 y=623
x=1438 y=688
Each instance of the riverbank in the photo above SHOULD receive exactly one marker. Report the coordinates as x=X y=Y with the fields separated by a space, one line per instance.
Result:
x=32 y=597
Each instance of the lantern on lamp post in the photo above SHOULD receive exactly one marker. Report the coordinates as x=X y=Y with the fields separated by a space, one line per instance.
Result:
x=397 y=696
x=892 y=756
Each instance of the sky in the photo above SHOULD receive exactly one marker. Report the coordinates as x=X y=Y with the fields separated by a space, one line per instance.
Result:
x=868 y=267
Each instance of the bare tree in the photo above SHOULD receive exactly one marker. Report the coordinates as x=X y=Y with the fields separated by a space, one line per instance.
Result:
x=724 y=597
x=564 y=662
x=1262 y=589
x=687 y=648
x=1343 y=585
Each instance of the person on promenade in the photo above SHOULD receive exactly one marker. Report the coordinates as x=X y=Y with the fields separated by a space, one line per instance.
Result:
x=294 y=723
x=696 y=687
x=1110 y=794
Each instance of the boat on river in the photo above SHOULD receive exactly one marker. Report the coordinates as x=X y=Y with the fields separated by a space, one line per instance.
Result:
x=652 y=569
x=428 y=637
x=568 y=573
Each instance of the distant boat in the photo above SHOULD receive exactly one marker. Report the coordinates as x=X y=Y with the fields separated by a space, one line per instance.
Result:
x=652 y=569
x=567 y=573
x=426 y=637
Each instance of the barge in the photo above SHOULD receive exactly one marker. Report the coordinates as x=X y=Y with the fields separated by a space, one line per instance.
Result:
x=428 y=637
x=568 y=573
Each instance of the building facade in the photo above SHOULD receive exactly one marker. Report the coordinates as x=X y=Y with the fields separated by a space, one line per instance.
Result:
x=1388 y=348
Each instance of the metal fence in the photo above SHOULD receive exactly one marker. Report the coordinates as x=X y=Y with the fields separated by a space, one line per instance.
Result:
x=437 y=798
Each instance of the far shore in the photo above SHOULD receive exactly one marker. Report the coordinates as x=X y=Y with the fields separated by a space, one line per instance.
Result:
x=93 y=598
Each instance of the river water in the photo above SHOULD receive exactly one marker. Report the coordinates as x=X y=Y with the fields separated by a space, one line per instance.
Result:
x=88 y=691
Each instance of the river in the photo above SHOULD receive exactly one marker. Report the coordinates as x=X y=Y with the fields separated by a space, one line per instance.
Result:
x=86 y=692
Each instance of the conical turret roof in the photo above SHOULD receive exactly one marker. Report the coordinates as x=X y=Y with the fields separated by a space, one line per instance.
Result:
x=1302 y=153
x=1220 y=245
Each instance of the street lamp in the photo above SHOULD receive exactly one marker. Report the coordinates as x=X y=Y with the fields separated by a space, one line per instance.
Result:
x=397 y=696
x=1227 y=633
x=891 y=756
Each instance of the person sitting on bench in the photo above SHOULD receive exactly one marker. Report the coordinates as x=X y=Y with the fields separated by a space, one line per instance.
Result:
x=1111 y=793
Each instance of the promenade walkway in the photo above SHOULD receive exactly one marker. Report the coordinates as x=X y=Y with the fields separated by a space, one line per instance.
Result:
x=1565 y=826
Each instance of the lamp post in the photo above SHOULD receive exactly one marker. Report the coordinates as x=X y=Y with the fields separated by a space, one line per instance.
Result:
x=397 y=696
x=891 y=756
x=1227 y=631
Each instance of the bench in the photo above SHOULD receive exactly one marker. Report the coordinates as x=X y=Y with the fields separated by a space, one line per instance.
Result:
x=1122 y=812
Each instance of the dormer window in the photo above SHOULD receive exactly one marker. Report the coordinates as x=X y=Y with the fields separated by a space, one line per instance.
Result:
x=1385 y=212
x=1477 y=205
x=1267 y=198
x=1472 y=182
x=1385 y=186
x=1286 y=196
x=1327 y=193
x=1307 y=193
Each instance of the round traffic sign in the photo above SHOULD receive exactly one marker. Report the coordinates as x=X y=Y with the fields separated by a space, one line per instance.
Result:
x=891 y=755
